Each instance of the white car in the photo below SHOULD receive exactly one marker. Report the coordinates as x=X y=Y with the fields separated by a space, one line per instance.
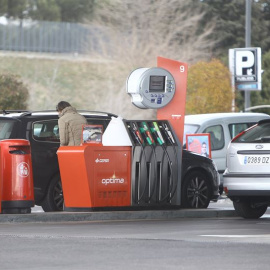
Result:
x=247 y=176
x=222 y=128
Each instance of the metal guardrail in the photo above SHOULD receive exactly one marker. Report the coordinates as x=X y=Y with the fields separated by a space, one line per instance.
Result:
x=256 y=107
x=44 y=37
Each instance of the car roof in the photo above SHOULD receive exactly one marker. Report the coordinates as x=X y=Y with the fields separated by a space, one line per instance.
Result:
x=24 y=113
x=200 y=118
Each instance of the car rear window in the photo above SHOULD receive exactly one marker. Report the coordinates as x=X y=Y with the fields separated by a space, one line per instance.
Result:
x=7 y=127
x=237 y=128
x=258 y=134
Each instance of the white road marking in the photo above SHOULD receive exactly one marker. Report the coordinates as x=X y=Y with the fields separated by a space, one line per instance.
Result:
x=236 y=236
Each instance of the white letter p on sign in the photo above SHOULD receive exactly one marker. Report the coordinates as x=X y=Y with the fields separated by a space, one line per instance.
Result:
x=243 y=59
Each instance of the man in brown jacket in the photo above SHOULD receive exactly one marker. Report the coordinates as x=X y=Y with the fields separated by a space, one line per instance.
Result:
x=70 y=124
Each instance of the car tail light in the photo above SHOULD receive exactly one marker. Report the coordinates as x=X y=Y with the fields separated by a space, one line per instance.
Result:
x=243 y=132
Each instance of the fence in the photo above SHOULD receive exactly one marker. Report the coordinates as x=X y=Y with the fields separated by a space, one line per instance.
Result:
x=44 y=37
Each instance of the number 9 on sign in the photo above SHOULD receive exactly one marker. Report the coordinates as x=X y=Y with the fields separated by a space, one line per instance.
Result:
x=182 y=68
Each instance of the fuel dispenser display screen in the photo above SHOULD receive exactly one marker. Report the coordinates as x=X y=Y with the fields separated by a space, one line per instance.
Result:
x=151 y=88
x=157 y=84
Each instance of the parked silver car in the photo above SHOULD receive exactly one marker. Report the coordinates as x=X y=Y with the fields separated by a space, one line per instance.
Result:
x=222 y=128
x=247 y=177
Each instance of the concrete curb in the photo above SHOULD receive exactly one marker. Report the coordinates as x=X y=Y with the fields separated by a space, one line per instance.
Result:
x=115 y=215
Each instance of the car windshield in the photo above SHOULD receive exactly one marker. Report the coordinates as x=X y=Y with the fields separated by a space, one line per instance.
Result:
x=189 y=129
x=260 y=133
x=6 y=128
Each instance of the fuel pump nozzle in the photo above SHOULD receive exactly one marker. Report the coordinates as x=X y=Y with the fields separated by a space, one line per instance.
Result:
x=168 y=133
x=156 y=128
x=146 y=136
x=154 y=132
x=145 y=131
x=156 y=136
x=137 y=134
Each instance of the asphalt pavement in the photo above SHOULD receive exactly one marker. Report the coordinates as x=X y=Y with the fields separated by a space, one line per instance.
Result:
x=180 y=243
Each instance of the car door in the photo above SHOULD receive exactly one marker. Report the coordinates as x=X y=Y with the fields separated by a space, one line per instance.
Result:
x=44 y=139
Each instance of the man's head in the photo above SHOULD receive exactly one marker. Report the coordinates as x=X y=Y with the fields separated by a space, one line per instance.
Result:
x=62 y=105
x=204 y=150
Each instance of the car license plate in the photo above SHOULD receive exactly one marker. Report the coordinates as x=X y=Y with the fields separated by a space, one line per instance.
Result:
x=256 y=160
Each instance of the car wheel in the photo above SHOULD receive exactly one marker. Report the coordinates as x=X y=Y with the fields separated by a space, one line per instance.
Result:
x=247 y=209
x=196 y=191
x=54 y=199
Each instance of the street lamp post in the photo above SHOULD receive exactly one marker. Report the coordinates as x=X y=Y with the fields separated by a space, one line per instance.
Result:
x=248 y=43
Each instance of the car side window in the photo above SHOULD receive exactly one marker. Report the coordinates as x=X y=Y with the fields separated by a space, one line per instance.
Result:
x=235 y=129
x=217 y=136
x=6 y=128
x=46 y=131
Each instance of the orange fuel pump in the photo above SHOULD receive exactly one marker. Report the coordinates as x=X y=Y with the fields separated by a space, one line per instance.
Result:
x=95 y=176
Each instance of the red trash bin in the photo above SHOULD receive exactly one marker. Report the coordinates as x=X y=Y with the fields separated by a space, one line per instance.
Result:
x=16 y=176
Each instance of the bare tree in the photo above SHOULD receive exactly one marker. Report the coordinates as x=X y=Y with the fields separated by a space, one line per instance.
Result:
x=132 y=34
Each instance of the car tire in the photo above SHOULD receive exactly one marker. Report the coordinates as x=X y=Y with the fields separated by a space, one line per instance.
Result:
x=54 y=199
x=247 y=210
x=196 y=190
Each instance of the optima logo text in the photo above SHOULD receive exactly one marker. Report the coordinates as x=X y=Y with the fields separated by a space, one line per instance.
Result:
x=112 y=181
